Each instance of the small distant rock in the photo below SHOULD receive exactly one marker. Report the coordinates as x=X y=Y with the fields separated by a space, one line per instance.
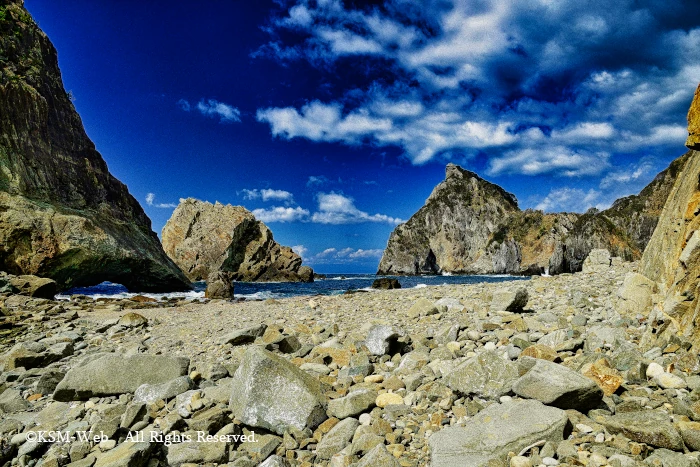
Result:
x=507 y=300
x=132 y=320
x=219 y=285
x=386 y=283
x=422 y=307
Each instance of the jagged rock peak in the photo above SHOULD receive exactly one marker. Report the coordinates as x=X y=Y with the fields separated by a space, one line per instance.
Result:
x=454 y=174
x=204 y=238
x=62 y=214
x=693 y=141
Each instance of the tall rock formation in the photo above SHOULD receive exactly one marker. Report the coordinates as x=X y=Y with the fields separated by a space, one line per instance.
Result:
x=672 y=258
x=203 y=238
x=455 y=230
x=471 y=226
x=62 y=214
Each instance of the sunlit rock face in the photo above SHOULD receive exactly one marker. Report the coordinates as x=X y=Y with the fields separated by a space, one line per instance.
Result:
x=672 y=258
x=203 y=238
x=471 y=226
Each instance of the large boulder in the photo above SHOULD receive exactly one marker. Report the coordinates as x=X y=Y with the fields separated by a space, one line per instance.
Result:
x=496 y=431
x=598 y=260
x=271 y=393
x=556 y=385
x=62 y=214
x=487 y=375
x=33 y=286
x=204 y=238
x=646 y=426
x=112 y=374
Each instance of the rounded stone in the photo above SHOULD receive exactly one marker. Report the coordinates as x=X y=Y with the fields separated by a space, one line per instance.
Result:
x=388 y=398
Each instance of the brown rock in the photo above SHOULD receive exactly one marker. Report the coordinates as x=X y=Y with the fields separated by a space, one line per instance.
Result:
x=540 y=351
x=203 y=238
x=606 y=377
x=693 y=141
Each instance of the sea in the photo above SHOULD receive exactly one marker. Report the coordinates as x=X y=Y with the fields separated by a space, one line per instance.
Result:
x=333 y=284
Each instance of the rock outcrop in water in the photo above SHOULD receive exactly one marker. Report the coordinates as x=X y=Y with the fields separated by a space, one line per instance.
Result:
x=202 y=238
x=62 y=214
x=672 y=258
x=471 y=226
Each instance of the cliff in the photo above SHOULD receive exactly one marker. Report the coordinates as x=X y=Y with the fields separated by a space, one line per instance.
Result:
x=62 y=214
x=204 y=238
x=452 y=232
x=672 y=258
x=471 y=226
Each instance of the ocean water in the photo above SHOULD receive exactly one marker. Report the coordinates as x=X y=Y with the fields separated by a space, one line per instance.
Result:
x=333 y=284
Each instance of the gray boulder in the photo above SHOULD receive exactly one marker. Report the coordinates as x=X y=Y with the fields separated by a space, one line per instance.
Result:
x=378 y=457
x=487 y=374
x=647 y=426
x=380 y=339
x=271 y=393
x=336 y=439
x=244 y=336
x=508 y=300
x=598 y=260
x=150 y=393
x=495 y=431
x=556 y=385
x=353 y=404
x=196 y=453
x=113 y=374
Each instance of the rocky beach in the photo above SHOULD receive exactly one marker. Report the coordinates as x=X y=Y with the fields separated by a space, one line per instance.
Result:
x=563 y=370
x=595 y=365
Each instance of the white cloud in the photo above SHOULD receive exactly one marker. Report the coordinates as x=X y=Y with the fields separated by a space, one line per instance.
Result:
x=150 y=201
x=482 y=78
x=569 y=200
x=625 y=176
x=301 y=250
x=213 y=108
x=551 y=160
x=334 y=208
x=317 y=180
x=345 y=255
x=267 y=194
x=281 y=214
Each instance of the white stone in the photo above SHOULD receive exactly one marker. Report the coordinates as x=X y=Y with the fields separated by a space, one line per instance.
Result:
x=654 y=369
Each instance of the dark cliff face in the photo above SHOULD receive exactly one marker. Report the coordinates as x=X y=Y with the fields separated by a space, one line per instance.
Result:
x=62 y=214
x=469 y=225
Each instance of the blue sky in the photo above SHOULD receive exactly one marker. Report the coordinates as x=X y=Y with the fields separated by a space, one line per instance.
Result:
x=332 y=121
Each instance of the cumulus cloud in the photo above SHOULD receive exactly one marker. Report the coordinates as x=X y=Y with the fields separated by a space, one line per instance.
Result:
x=281 y=214
x=301 y=250
x=345 y=255
x=504 y=79
x=547 y=160
x=212 y=108
x=335 y=208
x=569 y=199
x=150 y=201
x=267 y=194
